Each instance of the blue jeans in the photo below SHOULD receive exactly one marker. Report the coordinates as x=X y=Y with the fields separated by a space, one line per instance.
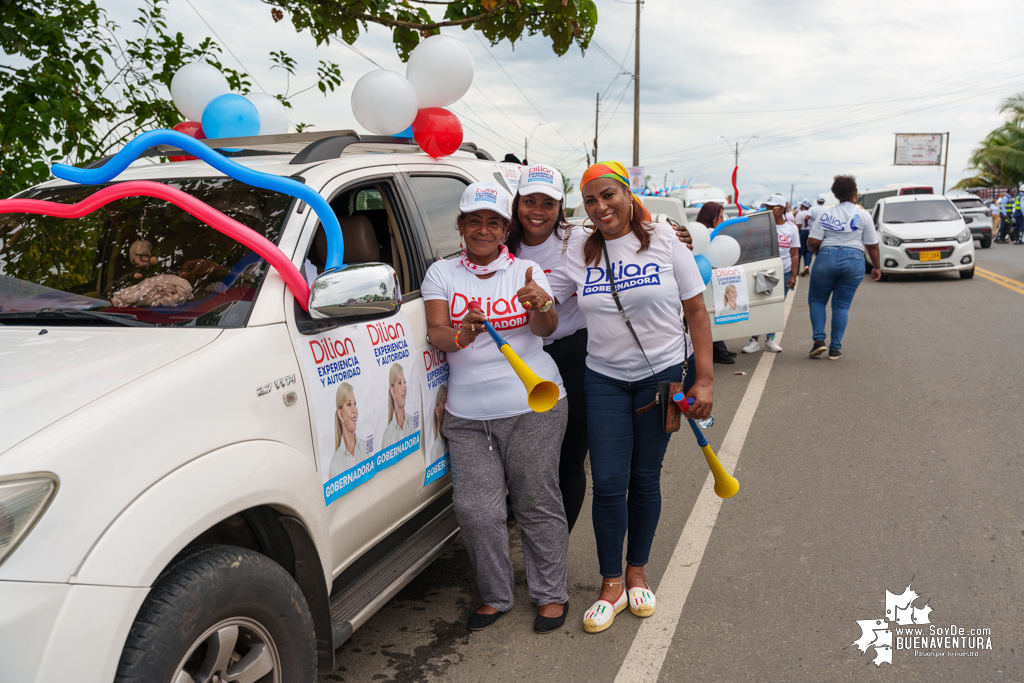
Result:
x=837 y=273
x=805 y=253
x=785 y=292
x=626 y=451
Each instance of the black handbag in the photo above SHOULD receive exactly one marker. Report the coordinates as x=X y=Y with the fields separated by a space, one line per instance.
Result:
x=670 y=417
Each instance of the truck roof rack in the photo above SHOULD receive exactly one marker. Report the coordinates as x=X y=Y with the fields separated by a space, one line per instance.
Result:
x=307 y=147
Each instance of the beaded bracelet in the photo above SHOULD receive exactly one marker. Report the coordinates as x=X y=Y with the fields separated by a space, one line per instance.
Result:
x=457 y=332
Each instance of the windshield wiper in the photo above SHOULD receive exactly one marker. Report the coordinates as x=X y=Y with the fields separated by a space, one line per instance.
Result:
x=54 y=314
x=891 y=222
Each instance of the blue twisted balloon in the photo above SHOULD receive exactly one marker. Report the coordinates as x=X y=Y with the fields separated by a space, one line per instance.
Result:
x=230 y=168
x=726 y=224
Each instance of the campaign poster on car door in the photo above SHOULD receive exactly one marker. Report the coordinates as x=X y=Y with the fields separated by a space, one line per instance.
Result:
x=729 y=289
x=365 y=385
x=435 y=394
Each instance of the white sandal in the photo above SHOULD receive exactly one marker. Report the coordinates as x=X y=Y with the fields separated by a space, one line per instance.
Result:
x=641 y=601
x=602 y=613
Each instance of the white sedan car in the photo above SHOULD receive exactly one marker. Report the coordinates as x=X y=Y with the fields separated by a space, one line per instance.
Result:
x=922 y=233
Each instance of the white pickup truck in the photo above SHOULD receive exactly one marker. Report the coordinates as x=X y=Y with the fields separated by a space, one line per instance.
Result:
x=200 y=480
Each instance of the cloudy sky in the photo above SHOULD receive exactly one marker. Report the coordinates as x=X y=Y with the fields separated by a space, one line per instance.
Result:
x=823 y=86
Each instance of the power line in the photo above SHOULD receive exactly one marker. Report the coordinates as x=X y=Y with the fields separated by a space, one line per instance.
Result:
x=226 y=46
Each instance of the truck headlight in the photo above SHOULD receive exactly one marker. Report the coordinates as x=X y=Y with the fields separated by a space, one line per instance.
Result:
x=965 y=236
x=891 y=241
x=23 y=499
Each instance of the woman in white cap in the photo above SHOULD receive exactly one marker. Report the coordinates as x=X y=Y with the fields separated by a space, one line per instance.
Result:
x=539 y=232
x=495 y=442
x=789 y=252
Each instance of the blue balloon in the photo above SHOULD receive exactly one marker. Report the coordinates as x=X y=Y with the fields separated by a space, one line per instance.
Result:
x=407 y=133
x=230 y=116
x=704 y=266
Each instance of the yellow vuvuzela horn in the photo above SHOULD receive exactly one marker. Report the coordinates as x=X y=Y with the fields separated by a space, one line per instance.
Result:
x=726 y=485
x=542 y=395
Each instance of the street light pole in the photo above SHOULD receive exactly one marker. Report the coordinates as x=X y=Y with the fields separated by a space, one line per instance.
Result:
x=526 y=143
x=792 y=187
x=636 y=92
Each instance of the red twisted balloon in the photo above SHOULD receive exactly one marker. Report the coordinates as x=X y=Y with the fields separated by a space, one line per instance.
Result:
x=201 y=210
x=736 y=193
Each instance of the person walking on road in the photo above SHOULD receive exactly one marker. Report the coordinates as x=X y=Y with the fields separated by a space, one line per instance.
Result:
x=495 y=441
x=539 y=232
x=789 y=252
x=803 y=224
x=612 y=270
x=1018 y=218
x=840 y=238
x=1004 y=218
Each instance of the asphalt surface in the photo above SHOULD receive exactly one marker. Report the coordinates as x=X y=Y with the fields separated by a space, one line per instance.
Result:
x=899 y=464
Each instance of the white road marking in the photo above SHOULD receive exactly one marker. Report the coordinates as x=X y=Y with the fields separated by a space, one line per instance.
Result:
x=647 y=654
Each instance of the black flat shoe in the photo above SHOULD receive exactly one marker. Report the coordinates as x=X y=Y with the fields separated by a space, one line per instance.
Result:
x=549 y=624
x=478 y=622
x=732 y=354
x=724 y=360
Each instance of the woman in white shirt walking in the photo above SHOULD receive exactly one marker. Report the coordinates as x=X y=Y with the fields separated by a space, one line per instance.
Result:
x=539 y=232
x=656 y=280
x=788 y=236
x=495 y=442
x=840 y=237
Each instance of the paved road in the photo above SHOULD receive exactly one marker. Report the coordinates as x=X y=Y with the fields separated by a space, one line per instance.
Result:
x=899 y=463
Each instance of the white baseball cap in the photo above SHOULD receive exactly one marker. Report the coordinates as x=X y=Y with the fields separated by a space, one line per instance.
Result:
x=821 y=199
x=776 y=200
x=543 y=179
x=485 y=196
x=806 y=203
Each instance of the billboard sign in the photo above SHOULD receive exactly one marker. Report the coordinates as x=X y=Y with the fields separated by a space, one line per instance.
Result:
x=918 y=149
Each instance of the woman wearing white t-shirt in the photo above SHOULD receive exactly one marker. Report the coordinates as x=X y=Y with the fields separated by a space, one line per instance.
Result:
x=788 y=236
x=656 y=279
x=349 y=449
x=840 y=237
x=539 y=232
x=495 y=442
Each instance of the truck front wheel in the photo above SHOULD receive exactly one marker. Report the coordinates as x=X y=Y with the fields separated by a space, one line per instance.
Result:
x=221 y=613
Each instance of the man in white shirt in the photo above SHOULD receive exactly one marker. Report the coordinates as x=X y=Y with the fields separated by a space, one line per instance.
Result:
x=817 y=210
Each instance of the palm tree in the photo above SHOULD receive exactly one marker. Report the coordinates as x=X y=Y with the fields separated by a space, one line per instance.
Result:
x=999 y=159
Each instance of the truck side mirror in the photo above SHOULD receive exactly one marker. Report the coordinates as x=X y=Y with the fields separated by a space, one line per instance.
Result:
x=358 y=290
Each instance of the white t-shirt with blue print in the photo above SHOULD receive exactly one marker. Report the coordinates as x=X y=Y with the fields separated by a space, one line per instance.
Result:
x=844 y=225
x=650 y=284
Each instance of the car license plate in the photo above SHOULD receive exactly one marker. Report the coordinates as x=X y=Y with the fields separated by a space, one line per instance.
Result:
x=930 y=255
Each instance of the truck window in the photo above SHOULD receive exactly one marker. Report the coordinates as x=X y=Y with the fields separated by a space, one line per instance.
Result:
x=438 y=200
x=757 y=238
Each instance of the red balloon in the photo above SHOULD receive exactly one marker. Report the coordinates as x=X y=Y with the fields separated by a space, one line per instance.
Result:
x=437 y=131
x=192 y=129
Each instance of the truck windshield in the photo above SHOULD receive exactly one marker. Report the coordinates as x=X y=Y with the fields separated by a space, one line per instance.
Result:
x=927 y=211
x=138 y=259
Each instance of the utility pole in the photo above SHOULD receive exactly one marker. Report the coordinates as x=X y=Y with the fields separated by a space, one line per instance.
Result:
x=636 y=92
x=526 y=149
x=597 y=119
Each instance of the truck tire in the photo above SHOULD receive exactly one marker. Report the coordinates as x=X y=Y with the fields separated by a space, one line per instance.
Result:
x=986 y=242
x=221 y=613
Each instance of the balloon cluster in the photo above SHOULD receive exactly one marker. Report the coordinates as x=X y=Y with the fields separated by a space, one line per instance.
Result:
x=202 y=94
x=439 y=73
x=712 y=250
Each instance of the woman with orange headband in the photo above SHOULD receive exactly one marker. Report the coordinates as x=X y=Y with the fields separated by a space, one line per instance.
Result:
x=655 y=279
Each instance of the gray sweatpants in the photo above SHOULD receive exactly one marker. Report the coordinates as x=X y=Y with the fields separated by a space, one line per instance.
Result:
x=519 y=454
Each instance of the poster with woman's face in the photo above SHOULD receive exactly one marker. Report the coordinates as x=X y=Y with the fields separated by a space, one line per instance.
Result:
x=729 y=288
x=435 y=390
x=365 y=381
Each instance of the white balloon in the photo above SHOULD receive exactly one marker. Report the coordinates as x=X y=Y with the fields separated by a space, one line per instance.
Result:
x=701 y=236
x=723 y=252
x=440 y=68
x=194 y=86
x=384 y=102
x=273 y=114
